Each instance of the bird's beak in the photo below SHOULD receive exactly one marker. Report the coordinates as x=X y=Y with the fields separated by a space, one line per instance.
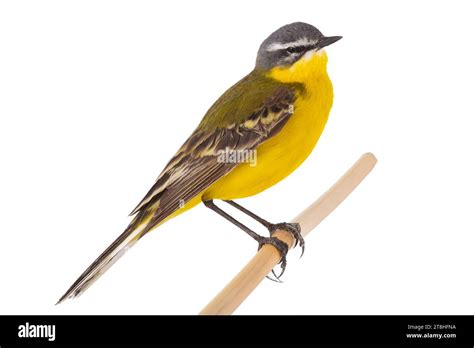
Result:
x=328 y=40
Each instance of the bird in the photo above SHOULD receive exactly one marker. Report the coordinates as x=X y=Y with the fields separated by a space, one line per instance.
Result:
x=253 y=136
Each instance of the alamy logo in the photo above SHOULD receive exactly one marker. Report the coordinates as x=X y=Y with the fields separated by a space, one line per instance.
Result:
x=237 y=156
x=37 y=331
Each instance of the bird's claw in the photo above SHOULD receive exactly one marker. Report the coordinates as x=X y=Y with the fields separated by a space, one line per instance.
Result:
x=282 y=248
x=293 y=228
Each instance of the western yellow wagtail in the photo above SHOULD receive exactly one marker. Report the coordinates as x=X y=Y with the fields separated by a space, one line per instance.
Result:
x=257 y=133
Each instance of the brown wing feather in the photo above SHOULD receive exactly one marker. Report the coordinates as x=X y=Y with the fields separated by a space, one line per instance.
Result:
x=195 y=167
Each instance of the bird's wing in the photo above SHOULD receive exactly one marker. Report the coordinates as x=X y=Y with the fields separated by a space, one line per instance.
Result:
x=248 y=114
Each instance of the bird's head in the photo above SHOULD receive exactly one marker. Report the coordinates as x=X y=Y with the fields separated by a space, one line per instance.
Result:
x=294 y=50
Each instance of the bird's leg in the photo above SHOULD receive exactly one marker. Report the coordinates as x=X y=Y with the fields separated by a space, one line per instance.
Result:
x=282 y=247
x=293 y=228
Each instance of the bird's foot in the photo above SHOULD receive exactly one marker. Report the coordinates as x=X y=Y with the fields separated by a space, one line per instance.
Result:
x=282 y=248
x=293 y=228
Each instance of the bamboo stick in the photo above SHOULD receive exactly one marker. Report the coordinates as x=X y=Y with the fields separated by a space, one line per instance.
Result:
x=239 y=288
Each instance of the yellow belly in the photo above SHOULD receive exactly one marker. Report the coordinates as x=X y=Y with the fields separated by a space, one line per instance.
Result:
x=281 y=155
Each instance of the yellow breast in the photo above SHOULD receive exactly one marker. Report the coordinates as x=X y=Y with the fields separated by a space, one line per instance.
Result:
x=281 y=155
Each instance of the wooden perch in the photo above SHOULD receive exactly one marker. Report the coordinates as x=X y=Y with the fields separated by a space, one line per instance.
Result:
x=239 y=288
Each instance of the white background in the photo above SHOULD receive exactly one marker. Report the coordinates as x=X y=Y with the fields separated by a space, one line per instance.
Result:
x=96 y=96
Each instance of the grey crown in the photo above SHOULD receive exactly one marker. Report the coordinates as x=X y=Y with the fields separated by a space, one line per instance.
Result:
x=286 y=34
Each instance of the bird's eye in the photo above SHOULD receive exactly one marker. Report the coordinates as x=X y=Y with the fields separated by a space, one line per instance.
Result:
x=295 y=49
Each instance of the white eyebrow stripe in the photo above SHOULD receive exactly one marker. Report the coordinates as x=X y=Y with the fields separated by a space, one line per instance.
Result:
x=281 y=46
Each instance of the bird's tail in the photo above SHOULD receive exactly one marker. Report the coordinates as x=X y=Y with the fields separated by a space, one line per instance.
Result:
x=130 y=236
